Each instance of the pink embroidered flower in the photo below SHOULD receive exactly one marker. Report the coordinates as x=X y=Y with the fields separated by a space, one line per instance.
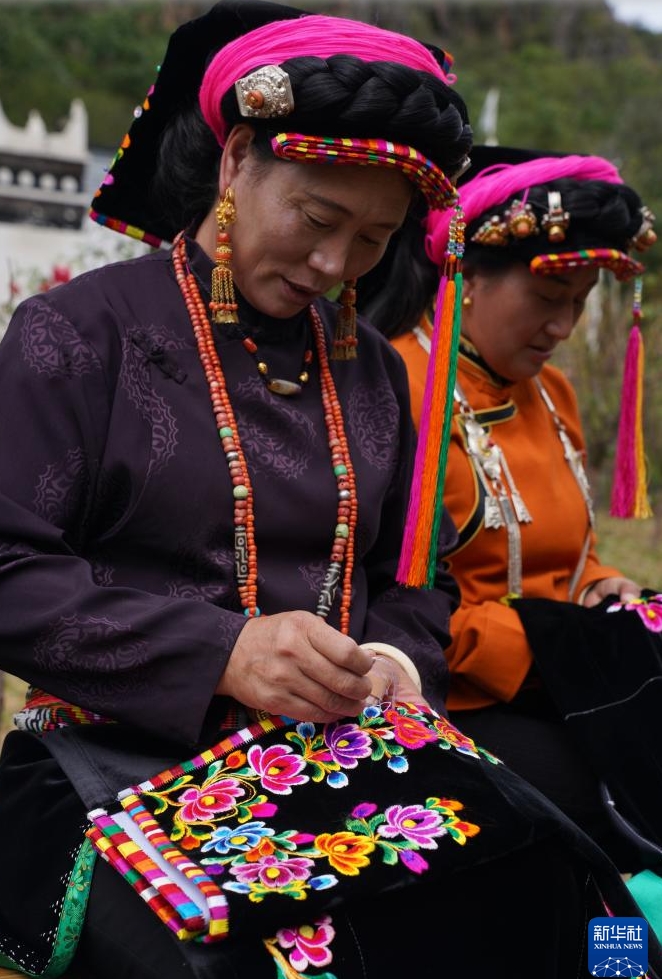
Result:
x=649 y=610
x=347 y=744
x=310 y=944
x=277 y=767
x=408 y=731
x=273 y=871
x=414 y=823
x=202 y=803
x=651 y=614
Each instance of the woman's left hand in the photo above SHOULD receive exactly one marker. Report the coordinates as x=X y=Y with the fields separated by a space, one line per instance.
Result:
x=390 y=682
x=625 y=589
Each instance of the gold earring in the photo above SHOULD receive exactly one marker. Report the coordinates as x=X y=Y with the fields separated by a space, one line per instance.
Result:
x=223 y=304
x=467 y=301
x=344 y=341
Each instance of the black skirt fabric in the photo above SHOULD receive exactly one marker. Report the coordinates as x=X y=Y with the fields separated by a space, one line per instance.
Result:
x=602 y=668
x=528 y=865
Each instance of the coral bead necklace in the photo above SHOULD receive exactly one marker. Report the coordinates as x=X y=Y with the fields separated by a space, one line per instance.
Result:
x=341 y=564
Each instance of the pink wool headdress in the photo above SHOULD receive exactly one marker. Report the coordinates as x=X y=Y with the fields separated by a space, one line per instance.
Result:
x=314 y=35
x=495 y=184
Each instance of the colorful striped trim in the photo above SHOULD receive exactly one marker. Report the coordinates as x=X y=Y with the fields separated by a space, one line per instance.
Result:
x=436 y=187
x=43 y=712
x=616 y=261
x=165 y=897
x=125 y=229
x=108 y=838
x=234 y=740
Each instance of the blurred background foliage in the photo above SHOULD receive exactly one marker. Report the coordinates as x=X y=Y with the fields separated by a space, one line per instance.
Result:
x=566 y=76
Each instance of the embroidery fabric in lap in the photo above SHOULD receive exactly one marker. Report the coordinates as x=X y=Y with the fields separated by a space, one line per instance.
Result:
x=212 y=818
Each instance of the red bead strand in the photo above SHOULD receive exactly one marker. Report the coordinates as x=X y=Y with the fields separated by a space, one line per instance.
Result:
x=342 y=550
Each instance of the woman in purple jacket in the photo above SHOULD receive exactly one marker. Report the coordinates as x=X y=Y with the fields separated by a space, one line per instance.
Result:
x=203 y=498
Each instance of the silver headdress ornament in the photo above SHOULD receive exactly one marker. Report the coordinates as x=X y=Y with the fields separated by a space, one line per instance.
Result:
x=645 y=236
x=265 y=94
x=556 y=220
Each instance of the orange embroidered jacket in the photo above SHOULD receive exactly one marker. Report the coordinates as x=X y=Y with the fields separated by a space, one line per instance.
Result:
x=489 y=656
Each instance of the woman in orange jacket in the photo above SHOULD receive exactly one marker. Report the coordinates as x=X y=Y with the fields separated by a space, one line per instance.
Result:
x=539 y=230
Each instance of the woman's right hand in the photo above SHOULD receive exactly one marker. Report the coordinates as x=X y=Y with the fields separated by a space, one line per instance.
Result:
x=294 y=663
x=624 y=589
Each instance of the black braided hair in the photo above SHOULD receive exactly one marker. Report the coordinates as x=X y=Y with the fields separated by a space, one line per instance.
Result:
x=602 y=215
x=336 y=96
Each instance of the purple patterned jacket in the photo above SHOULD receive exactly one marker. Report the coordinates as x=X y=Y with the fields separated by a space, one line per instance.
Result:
x=116 y=543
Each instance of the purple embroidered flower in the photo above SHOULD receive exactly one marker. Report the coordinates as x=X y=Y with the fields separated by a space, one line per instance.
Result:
x=347 y=743
x=273 y=871
x=414 y=861
x=414 y=823
x=279 y=769
x=245 y=837
x=364 y=810
x=202 y=803
x=310 y=944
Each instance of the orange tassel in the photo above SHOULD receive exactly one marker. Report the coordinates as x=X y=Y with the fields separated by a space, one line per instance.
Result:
x=418 y=556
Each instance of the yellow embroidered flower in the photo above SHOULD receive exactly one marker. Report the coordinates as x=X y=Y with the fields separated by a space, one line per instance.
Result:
x=346 y=852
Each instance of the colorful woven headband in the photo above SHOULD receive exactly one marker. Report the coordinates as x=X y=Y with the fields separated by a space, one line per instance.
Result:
x=618 y=262
x=314 y=35
x=438 y=190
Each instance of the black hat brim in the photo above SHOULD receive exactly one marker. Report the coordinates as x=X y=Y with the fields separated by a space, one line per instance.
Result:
x=122 y=202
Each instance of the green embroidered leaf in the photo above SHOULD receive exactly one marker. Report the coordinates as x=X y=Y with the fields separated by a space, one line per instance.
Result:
x=376 y=821
x=389 y=853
